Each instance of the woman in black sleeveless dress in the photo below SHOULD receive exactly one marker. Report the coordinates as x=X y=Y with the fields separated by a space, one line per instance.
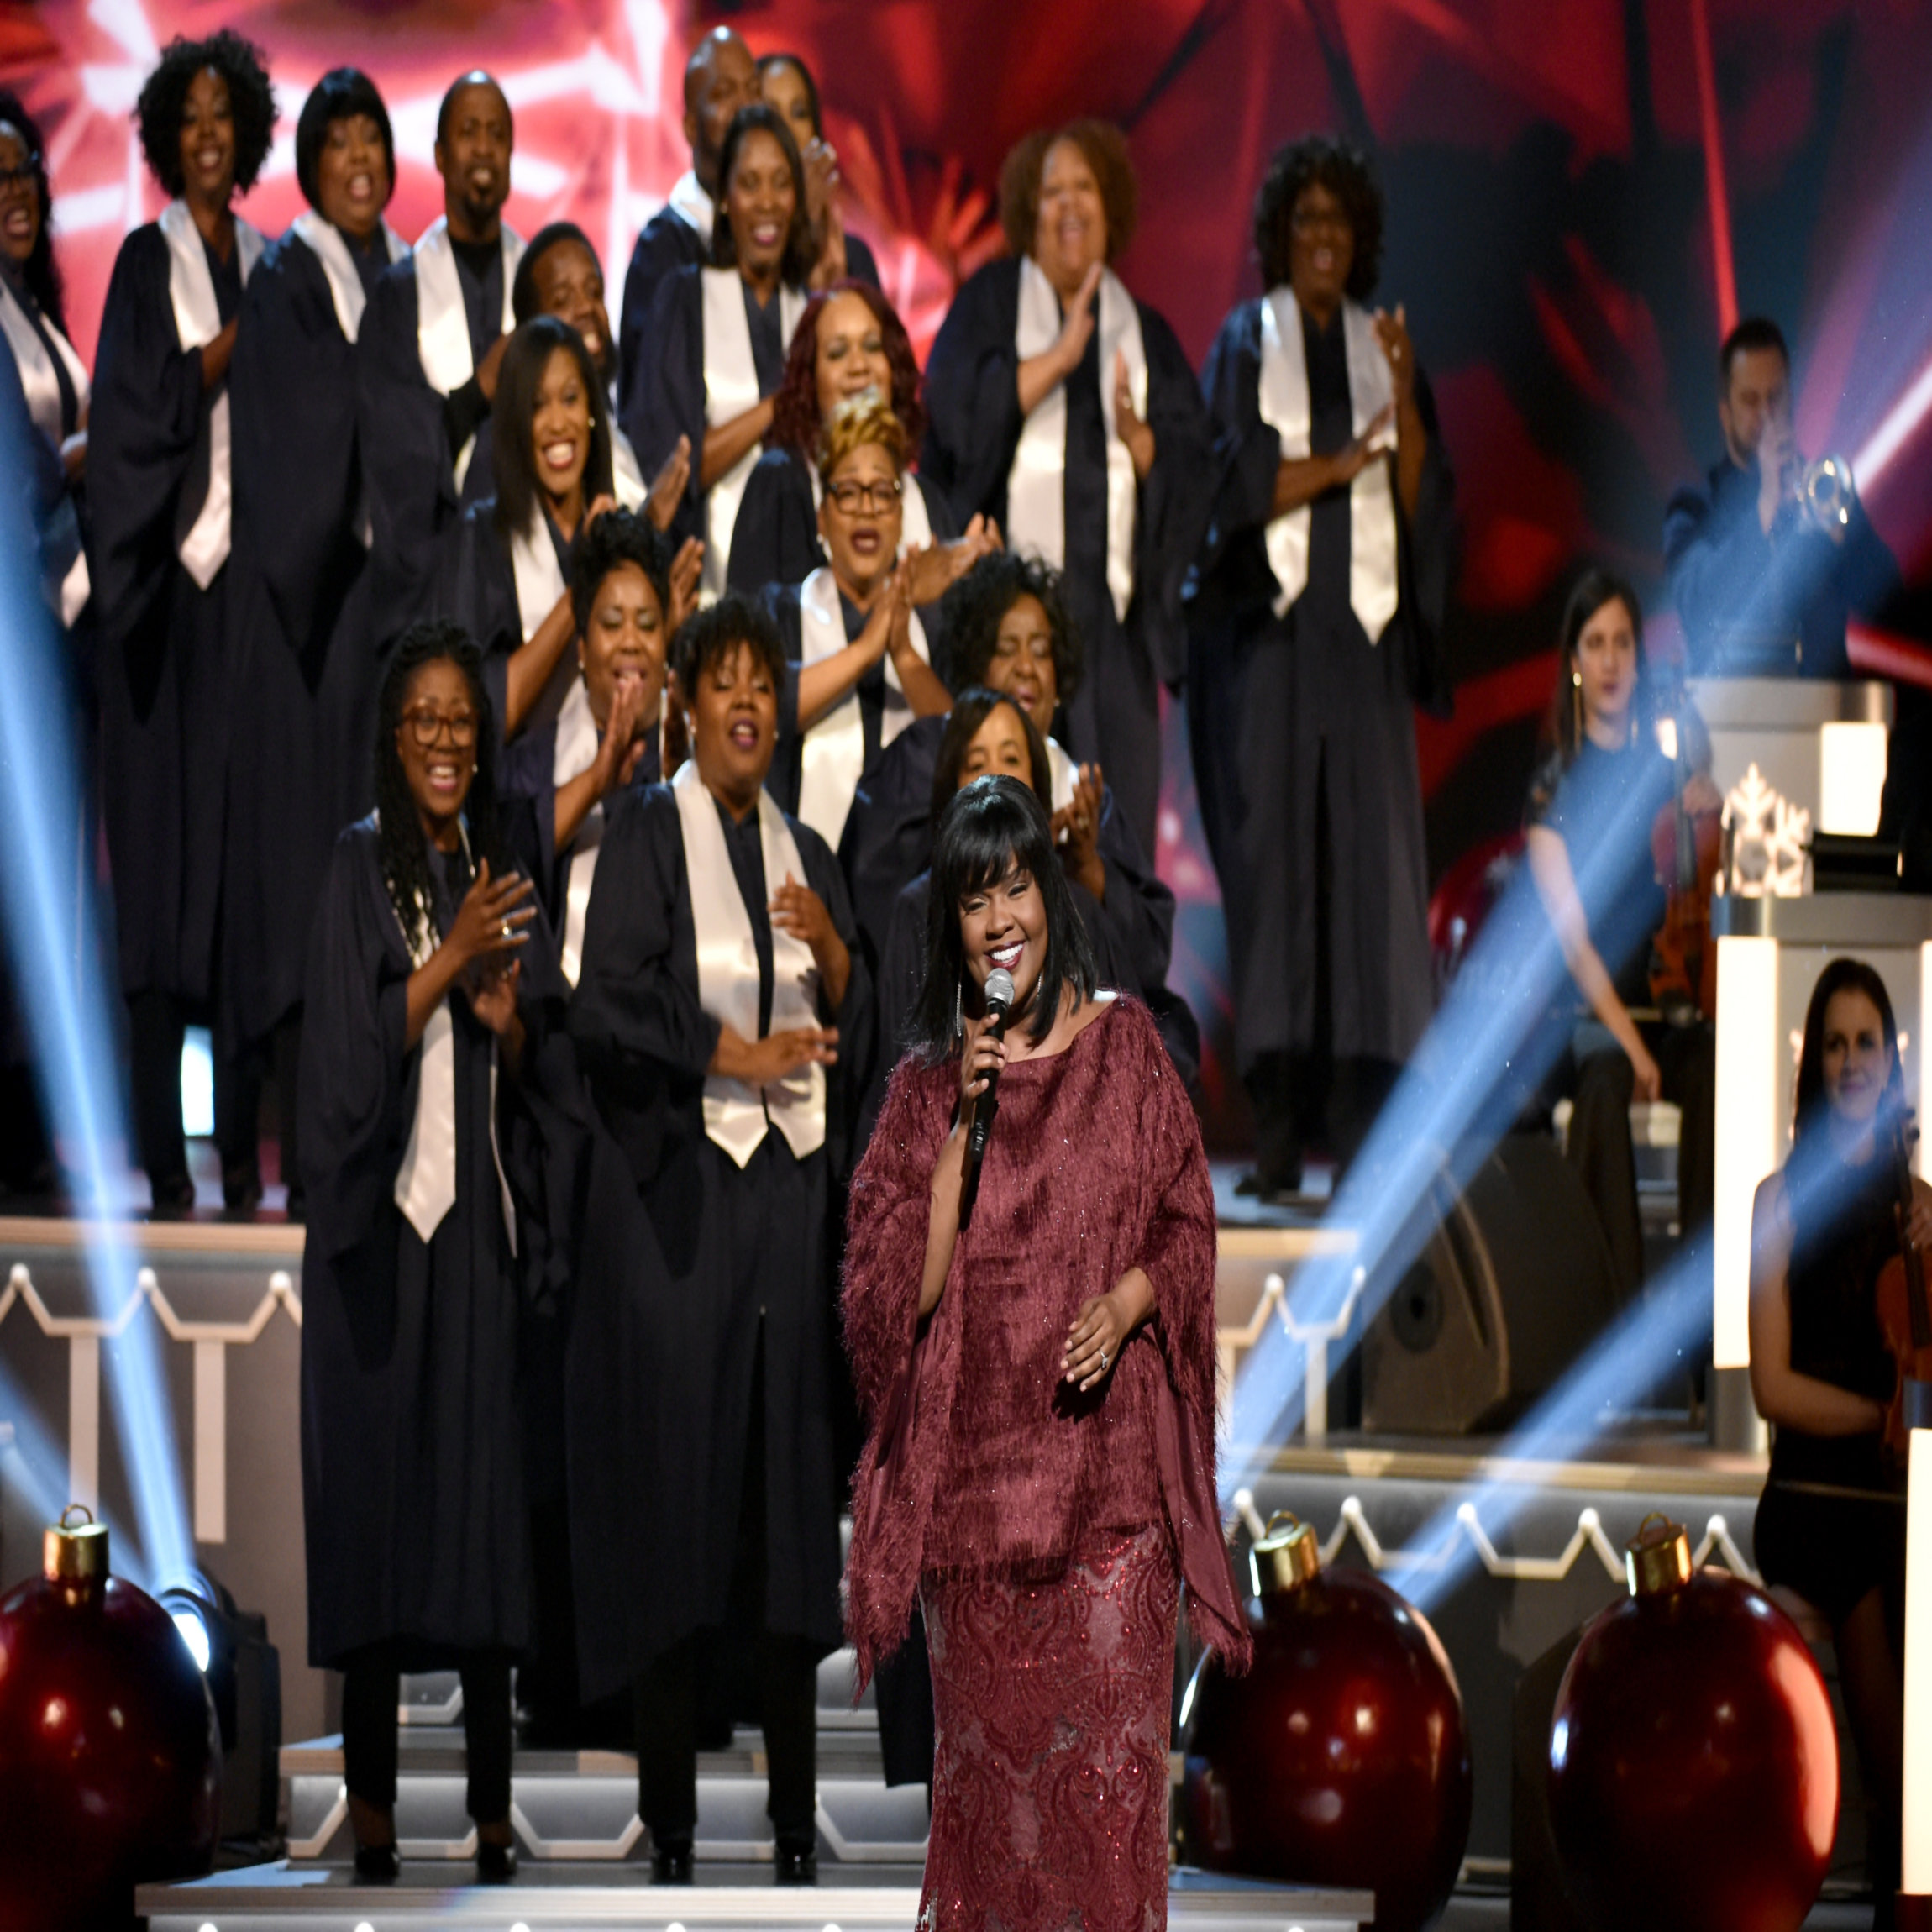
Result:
x=1831 y=1522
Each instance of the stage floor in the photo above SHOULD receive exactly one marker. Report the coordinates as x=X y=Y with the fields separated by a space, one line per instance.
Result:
x=726 y=1898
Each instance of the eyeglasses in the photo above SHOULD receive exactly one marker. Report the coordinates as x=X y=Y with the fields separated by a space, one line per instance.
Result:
x=425 y=726
x=853 y=497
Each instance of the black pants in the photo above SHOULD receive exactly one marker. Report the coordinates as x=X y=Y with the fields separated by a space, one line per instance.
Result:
x=1600 y=1083
x=671 y=1690
x=371 y=1686
x=156 y=1022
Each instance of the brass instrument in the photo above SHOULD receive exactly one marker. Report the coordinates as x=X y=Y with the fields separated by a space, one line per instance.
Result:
x=1827 y=495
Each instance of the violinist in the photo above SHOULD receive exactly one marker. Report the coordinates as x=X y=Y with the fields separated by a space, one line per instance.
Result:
x=1593 y=805
x=1831 y=1524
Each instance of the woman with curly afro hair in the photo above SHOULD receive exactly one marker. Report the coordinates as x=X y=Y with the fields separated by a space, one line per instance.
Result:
x=161 y=492
x=1316 y=629
x=850 y=345
x=1065 y=411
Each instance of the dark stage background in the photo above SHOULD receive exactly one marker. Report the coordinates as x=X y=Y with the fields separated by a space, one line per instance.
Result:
x=1582 y=192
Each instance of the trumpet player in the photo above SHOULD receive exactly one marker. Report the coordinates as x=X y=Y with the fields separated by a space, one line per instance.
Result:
x=1770 y=554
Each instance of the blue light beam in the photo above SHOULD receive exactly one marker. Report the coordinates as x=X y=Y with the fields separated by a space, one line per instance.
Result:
x=1484 y=1056
x=49 y=926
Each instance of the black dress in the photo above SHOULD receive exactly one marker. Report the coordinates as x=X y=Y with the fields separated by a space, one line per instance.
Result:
x=974 y=427
x=1304 y=741
x=307 y=665
x=1831 y=1522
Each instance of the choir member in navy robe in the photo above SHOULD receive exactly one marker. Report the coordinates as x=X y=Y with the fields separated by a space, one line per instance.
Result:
x=298 y=611
x=722 y=1020
x=32 y=329
x=719 y=335
x=606 y=739
x=786 y=83
x=1762 y=585
x=1316 y=630
x=505 y=573
x=1005 y=626
x=430 y=353
x=849 y=345
x=160 y=452
x=433 y=1065
x=1065 y=410
x=856 y=606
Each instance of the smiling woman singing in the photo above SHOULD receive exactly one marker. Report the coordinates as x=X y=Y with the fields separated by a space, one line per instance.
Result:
x=1054 y=1359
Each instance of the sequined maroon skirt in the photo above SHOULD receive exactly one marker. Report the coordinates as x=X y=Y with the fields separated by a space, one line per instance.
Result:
x=1050 y=1784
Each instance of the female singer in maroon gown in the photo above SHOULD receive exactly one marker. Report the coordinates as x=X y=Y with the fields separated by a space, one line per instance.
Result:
x=1054 y=1357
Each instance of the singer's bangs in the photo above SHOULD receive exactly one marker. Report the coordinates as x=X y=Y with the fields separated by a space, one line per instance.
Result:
x=992 y=827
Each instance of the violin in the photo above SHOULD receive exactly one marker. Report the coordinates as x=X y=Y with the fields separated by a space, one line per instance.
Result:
x=1904 y=1314
x=1684 y=853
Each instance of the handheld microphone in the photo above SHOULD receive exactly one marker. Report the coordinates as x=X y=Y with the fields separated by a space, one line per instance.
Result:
x=999 y=995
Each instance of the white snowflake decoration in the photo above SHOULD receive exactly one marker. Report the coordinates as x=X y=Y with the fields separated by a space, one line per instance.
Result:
x=1769 y=840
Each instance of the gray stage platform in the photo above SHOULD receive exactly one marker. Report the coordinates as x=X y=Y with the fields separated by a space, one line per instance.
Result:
x=264 y=1898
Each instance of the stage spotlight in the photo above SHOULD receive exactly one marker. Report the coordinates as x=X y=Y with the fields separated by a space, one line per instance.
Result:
x=243 y=1670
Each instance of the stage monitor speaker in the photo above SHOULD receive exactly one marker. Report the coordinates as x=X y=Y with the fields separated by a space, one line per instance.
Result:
x=1515 y=1280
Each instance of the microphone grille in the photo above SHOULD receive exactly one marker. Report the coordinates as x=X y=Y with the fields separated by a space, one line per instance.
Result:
x=999 y=987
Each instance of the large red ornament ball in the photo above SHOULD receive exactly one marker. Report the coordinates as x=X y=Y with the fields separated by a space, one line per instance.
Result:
x=1694 y=1765
x=1342 y=1758
x=110 y=1760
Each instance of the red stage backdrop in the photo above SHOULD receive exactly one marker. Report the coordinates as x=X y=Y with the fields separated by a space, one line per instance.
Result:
x=1581 y=193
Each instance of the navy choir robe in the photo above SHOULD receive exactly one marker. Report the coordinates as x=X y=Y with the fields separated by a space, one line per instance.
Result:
x=165 y=659
x=685 y=1257
x=414 y=1476
x=1303 y=730
x=302 y=758
x=973 y=428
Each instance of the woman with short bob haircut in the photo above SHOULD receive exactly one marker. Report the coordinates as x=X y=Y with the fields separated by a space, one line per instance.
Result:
x=1012 y=1352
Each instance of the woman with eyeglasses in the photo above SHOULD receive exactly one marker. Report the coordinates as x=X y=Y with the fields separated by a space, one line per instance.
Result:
x=299 y=613
x=853 y=616
x=160 y=453
x=431 y=1053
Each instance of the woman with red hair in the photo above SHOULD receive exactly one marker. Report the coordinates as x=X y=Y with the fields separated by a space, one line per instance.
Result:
x=849 y=345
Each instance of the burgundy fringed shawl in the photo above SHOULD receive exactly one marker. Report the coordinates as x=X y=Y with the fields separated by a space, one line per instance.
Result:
x=979 y=1458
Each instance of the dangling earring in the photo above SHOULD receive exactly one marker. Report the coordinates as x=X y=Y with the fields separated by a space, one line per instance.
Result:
x=958 y=1014
x=1577 y=706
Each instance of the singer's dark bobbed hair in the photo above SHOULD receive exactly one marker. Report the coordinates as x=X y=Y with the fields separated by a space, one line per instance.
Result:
x=994 y=826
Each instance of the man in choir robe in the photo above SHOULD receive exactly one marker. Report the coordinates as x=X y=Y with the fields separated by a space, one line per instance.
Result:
x=431 y=347
x=1761 y=587
x=1315 y=631
x=720 y=77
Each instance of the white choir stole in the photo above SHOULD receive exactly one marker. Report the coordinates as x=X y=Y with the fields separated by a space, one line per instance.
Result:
x=1373 y=587
x=572 y=754
x=442 y=316
x=831 y=757
x=197 y=322
x=324 y=242
x=737 y=1117
x=731 y=388
x=40 y=383
x=1036 y=483
x=540 y=576
x=426 y=1182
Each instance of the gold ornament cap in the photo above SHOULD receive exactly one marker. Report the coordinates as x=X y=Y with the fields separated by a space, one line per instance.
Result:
x=1657 y=1559
x=1284 y=1558
x=75 y=1553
